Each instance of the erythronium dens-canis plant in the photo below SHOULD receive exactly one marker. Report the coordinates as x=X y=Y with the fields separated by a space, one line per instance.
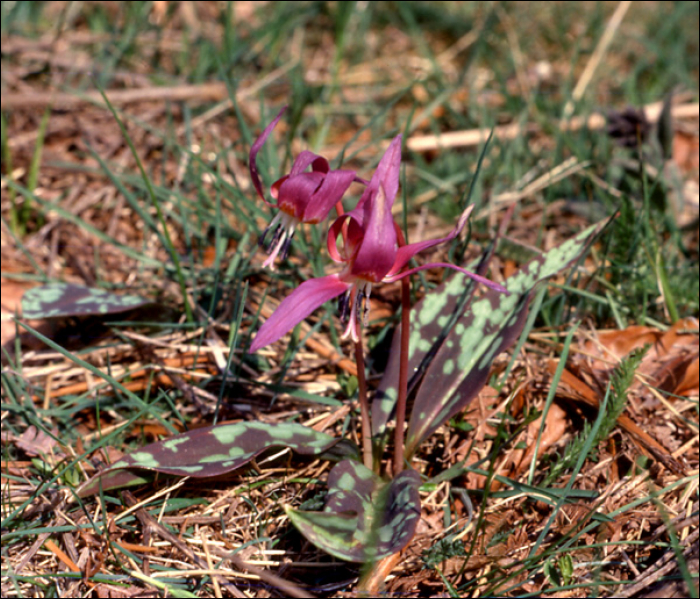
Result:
x=369 y=514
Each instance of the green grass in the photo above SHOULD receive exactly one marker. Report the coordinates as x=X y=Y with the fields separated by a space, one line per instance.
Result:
x=354 y=74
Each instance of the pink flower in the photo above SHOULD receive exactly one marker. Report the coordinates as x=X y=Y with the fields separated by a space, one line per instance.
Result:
x=302 y=197
x=370 y=254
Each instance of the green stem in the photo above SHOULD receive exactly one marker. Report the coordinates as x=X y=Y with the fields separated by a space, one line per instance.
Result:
x=364 y=404
x=403 y=376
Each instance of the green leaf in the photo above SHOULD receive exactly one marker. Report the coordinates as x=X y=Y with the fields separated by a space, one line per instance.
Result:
x=365 y=518
x=432 y=318
x=216 y=450
x=171 y=590
x=65 y=299
x=461 y=365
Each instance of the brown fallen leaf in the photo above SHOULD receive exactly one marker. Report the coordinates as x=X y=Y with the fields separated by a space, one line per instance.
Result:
x=574 y=388
x=36 y=442
x=669 y=365
x=686 y=151
x=555 y=426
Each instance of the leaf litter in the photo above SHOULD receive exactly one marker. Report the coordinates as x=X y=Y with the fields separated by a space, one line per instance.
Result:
x=242 y=510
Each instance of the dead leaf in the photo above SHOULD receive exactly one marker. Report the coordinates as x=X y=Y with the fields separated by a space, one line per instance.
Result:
x=36 y=442
x=669 y=365
x=11 y=300
x=573 y=388
x=686 y=148
x=555 y=425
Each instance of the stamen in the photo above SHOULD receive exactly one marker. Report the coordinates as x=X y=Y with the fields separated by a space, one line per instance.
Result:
x=270 y=260
x=356 y=301
x=360 y=305
x=343 y=305
x=365 y=308
x=287 y=243
x=278 y=234
x=274 y=225
x=282 y=227
x=351 y=329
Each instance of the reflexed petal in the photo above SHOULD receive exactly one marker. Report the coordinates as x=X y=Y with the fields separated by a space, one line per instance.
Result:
x=387 y=174
x=254 y=149
x=275 y=187
x=352 y=232
x=377 y=250
x=357 y=213
x=406 y=252
x=390 y=167
x=334 y=185
x=478 y=278
x=318 y=163
x=294 y=193
x=296 y=307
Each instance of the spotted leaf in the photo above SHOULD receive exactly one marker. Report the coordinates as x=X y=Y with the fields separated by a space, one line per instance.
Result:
x=365 y=518
x=56 y=300
x=487 y=327
x=432 y=318
x=216 y=450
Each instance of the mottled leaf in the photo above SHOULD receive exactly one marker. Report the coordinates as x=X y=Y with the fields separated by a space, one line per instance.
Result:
x=65 y=299
x=216 y=450
x=365 y=518
x=488 y=327
x=432 y=318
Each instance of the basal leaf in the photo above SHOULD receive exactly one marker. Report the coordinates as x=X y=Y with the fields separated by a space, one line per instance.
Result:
x=432 y=318
x=365 y=518
x=65 y=299
x=216 y=450
x=430 y=323
x=488 y=327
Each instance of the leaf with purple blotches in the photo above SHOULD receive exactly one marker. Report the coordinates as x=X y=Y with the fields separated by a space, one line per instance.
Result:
x=487 y=327
x=365 y=518
x=449 y=300
x=216 y=450
x=56 y=300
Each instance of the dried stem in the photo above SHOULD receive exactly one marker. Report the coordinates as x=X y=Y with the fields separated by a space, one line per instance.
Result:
x=364 y=404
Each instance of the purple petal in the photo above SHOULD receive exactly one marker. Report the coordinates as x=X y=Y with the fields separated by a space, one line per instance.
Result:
x=351 y=228
x=406 y=252
x=318 y=163
x=294 y=193
x=389 y=168
x=387 y=175
x=254 y=149
x=478 y=278
x=334 y=185
x=296 y=307
x=377 y=252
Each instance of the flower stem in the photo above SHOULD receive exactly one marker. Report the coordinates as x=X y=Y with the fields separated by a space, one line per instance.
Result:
x=403 y=376
x=364 y=405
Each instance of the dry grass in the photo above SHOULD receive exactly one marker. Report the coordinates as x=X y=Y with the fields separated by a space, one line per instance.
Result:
x=630 y=522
